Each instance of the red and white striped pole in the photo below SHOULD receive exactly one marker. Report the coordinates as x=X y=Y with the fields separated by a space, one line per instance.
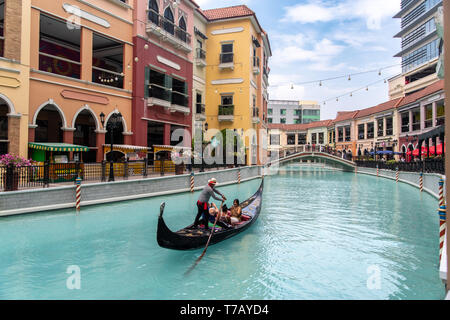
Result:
x=442 y=218
x=421 y=182
x=192 y=181
x=239 y=176
x=78 y=194
x=396 y=175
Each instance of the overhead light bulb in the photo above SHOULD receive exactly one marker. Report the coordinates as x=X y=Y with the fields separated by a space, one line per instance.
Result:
x=320 y=83
x=349 y=78
x=379 y=73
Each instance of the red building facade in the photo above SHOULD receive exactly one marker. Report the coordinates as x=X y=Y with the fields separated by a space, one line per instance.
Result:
x=163 y=71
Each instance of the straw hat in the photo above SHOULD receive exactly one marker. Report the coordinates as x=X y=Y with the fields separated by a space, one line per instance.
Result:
x=212 y=181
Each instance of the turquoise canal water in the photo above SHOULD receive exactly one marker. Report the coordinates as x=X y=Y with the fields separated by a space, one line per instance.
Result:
x=320 y=235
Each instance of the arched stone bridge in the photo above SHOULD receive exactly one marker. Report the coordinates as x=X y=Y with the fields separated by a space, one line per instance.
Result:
x=337 y=162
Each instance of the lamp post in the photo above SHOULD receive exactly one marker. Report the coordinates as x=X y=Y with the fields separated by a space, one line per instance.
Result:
x=202 y=169
x=113 y=123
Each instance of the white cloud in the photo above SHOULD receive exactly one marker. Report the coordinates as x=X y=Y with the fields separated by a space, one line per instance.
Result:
x=373 y=12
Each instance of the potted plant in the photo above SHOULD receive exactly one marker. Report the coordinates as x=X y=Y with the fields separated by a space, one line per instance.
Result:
x=12 y=164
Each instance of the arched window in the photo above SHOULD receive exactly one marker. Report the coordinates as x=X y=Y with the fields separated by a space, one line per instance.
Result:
x=182 y=31
x=153 y=13
x=168 y=23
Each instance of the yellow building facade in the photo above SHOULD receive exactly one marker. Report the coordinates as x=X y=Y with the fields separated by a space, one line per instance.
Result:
x=14 y=76
x=235 y=60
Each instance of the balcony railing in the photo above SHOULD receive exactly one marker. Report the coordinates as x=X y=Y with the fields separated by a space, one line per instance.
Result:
x=227 y=57
x=440 y=121
x=226 y=110
x=256 y=62
x=436 y=165
x=200 y=54
x=200 y=108
x=160 y=92
x=156 y=19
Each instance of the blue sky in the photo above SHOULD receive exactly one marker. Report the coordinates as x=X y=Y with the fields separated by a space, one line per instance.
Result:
x=320 y=39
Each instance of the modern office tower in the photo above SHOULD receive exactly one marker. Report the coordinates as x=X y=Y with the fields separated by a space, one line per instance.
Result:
x=419 y=51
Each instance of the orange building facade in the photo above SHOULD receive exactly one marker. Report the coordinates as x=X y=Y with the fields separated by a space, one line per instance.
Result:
x=81 y=59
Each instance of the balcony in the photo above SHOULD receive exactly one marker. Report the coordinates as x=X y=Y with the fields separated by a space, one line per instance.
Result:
x=168 y=31
x=159 y=96
x=255 y=115
x=200 y=57
x=226 y=60
x=226 y=112
x=266 y=72
x=256 y=64
x=200 y=114
x=180 y=103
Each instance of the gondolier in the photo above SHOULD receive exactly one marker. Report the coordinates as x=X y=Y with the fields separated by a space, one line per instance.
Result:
x=203 y=200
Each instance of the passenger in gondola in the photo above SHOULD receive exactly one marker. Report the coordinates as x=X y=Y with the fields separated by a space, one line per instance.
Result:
x=213 y=212
x=203 y=200
x=233 y=215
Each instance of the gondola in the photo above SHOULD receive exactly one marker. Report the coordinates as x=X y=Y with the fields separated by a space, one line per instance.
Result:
x=189 y=238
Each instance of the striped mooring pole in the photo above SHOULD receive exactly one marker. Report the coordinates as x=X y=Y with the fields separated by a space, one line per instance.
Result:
x=239 y=176
x=78 y=193
x=421 y=182
x=192 y=181
x=396 y=174
x=442 y=218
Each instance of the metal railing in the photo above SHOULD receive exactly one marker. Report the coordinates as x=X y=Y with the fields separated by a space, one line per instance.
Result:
x=435 y=165
x=200 y=54
x=167 y=25
x=226 y=110
x=14 y=178
x=227 y=57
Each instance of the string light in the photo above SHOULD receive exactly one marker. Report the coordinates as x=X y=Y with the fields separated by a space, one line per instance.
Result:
x=348 y=76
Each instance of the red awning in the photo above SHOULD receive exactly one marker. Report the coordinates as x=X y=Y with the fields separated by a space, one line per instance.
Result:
x=432 y=150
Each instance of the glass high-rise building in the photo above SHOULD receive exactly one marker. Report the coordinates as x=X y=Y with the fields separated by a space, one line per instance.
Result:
x=420 y=44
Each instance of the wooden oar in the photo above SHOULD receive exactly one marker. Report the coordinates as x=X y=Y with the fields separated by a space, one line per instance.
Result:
x=207 y=243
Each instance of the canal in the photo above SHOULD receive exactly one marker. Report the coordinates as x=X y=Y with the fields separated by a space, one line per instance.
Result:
x=320 y=235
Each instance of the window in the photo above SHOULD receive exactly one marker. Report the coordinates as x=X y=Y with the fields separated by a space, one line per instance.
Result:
x=405 y=121
x=269 y=120
x=168 y=24
x=361 y=131
x=416 y=119
x=313 y=138
x=107 y=61
x=269 y=112
x=440 y=113
x=428 y=115
x=201 y=54
x=297 y=121
x=301 y=138
x=275 y=139
x=226 y=55
x=179 y=92
x=283 y=120
x=159 y=85
x=389 y=126
x=153 y=13
x=321 y=138
x=283 y=112
x=59 y=48
x=227 y=100
x=340 y=134
x=347 y=134
x=2 y=25
x=380 y=127
x=291 y=139
x=200 y=107
x=181 y=31
x=370 y=130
